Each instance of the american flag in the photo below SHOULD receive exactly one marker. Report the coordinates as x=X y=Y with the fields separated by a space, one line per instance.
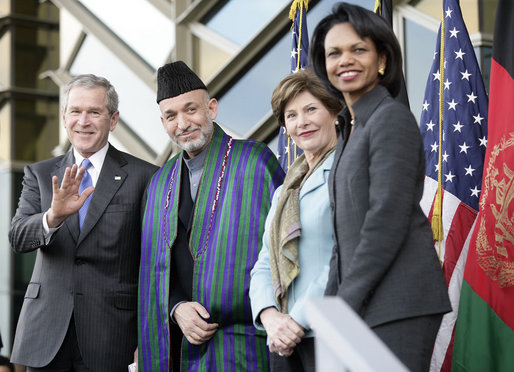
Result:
x=459 y=143
x=287 y=149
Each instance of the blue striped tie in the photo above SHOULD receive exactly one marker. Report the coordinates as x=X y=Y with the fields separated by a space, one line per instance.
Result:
x=84 y=184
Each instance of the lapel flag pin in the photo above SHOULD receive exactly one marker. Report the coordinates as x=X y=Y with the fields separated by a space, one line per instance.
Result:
x=117 y=178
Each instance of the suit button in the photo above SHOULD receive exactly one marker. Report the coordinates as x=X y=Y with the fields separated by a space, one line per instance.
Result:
x=79 y=261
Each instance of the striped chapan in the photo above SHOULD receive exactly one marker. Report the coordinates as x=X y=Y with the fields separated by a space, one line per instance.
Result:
x=238 y=182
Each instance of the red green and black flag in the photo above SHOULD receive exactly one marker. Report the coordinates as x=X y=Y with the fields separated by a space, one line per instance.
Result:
x=484 y=337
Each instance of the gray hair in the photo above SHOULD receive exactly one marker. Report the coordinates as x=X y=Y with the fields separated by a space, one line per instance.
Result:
x=91 y=81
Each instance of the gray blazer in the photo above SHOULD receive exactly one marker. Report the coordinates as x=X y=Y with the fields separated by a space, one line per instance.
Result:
x=92 y=273
x=384 y=264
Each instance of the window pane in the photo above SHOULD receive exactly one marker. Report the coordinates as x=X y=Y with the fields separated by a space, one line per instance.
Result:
x=484 y=55
x=239 y=20
x=249 y=99
x=273 y=145
x=7 y=203
x=139 y=24
x=137 y=101
x=5 y=132
x=208 y=58
x=420 y=45
x=5 y=50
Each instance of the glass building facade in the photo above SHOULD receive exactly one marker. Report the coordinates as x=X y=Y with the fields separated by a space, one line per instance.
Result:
x=240 y=49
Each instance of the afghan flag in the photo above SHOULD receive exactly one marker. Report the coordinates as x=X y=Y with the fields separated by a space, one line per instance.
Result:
x=484 y=338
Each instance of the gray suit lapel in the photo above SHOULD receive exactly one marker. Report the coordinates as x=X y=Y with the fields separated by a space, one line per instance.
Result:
x=72 y=222
x=337 y=158
x=110 y=180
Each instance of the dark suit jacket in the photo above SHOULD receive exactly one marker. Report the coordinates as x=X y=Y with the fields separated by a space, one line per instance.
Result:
x=384 y=264
x=92 y=273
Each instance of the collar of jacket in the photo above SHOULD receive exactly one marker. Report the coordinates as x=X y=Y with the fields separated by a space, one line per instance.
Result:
x=367 y=104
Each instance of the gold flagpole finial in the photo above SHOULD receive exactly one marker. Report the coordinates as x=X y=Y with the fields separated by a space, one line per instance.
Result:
x=295 y=4
x=378 y=7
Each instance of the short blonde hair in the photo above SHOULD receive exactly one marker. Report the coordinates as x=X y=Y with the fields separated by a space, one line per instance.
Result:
x=292 y=85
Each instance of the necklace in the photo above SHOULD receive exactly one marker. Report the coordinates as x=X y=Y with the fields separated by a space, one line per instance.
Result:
x=214 y=204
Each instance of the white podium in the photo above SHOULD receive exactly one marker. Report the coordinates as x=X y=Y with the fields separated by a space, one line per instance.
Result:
x=344 y=342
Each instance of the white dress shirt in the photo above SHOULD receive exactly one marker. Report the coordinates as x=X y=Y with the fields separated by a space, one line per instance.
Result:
x=97 y=161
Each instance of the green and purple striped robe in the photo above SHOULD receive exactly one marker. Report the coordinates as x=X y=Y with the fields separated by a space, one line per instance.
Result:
x=223 y=256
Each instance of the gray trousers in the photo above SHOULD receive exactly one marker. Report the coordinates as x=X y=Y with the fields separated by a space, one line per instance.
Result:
x=411 y=340
x=68 y=358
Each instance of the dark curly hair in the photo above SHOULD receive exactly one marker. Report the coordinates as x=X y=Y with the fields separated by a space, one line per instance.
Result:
x=366 y=24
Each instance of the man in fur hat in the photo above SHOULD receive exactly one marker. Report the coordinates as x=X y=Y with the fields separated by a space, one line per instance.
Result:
x=202 y=232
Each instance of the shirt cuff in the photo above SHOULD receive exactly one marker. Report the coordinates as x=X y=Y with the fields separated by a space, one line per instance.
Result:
x=49 y=231
x=173 y=311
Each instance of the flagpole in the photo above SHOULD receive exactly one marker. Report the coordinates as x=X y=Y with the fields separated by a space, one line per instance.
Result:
x=437 y=214
x=298 y=8
x=302 y=3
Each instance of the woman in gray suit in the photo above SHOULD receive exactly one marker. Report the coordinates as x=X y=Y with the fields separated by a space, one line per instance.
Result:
x=384 y=264
x=293 y=263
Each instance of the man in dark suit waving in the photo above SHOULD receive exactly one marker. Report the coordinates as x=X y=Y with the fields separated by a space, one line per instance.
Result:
x=81 y=212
